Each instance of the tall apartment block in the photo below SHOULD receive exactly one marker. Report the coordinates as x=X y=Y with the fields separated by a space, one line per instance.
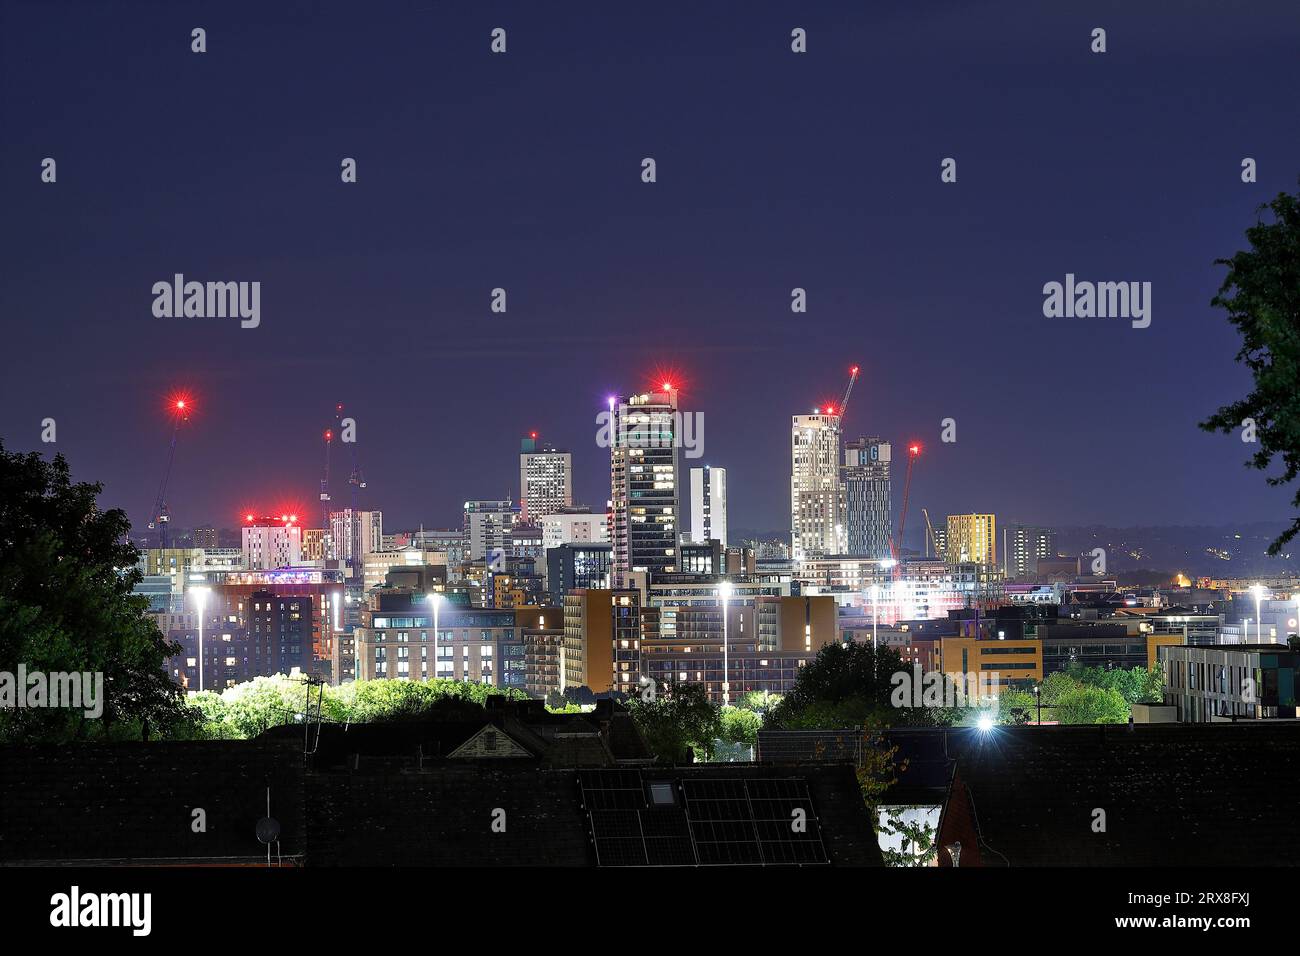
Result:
x=644 y=502
x=545 y=480
x=709 y=505
x=868 y=505
x=354 y=534
x=487 y=527
x=271 y=542
x=972 y=538
x=817 y=525
x=1023 y=546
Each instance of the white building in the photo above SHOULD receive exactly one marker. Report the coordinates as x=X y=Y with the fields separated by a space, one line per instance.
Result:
x=709 y=504
x=570 y=527
x=270 y=543
x=644 y=492
x=816 y=493
x=487 y=527
x=354 y=534
x=545 y=480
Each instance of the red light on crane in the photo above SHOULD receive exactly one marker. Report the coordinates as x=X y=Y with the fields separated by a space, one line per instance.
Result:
x=329 y=435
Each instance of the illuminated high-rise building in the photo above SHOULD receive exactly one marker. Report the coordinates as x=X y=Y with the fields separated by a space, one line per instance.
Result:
x=868 y=506
x=816 y=492
x=1023 y=546
x=545 y=480
x=972 y=538
x=354 y=534
x=644 y=495
x=709 y=505
x=487 y=527
x=315 y=544
x=270 y=542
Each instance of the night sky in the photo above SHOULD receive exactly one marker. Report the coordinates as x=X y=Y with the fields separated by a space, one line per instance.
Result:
x=775 y=170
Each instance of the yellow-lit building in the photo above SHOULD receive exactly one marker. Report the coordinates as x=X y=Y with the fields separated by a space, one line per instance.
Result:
x=999 y=662
x=972 y=537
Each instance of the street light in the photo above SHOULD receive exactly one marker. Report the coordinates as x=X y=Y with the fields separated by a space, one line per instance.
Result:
x=724 y=591
x=1038 y=701
x=875 y=612
x=436 y=600
x=1258 y=590
x=200 y=599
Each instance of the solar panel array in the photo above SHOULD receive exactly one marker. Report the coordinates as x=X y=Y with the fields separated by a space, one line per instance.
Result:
x=720 y=822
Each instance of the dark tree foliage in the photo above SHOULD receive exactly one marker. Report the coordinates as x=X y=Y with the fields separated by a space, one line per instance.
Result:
x=1261 y=294
x=677 y=724
x=849 y=688
x=66 y=573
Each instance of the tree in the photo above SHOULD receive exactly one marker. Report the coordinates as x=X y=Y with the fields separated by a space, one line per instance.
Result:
x=759 y=701
x=66 y=575
x=918 y=837
x=740 y=726
x=1015 y=706
x=848 y=687
x=1055 y=685
x=1261 y=294
x=676 y=724
x=1091 y=705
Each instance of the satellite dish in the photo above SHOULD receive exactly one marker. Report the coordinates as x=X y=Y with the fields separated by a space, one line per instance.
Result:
x=268 y=830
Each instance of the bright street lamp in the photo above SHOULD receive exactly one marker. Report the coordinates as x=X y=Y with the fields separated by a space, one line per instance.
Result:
x=436 y=600
x=1258 y=591
x=875 y=612
x=725 y=590
x=200 y=599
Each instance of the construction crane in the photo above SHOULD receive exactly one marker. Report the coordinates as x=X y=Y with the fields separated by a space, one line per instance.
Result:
x=913 y=452
x=161 y=517
x=325 y=482
x=843 y=406
x=931 y=549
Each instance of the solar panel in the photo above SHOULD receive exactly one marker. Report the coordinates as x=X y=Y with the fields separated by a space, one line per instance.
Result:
x=726 y=822
x=667 y=837
x=612 y=789
x=618 y=838
x=777 y=805
x=751 y=822
x=657 y=837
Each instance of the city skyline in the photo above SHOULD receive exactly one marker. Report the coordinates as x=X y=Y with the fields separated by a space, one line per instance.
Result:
x=378 y=294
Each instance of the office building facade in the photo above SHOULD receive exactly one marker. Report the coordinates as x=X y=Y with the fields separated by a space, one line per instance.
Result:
x=709 y=505
x=644 y=488
x=868 y=505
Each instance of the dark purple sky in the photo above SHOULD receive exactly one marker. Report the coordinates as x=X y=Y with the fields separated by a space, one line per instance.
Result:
x=775 y=170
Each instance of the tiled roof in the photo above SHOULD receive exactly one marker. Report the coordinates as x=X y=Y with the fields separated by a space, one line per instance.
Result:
x=1171 y=794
